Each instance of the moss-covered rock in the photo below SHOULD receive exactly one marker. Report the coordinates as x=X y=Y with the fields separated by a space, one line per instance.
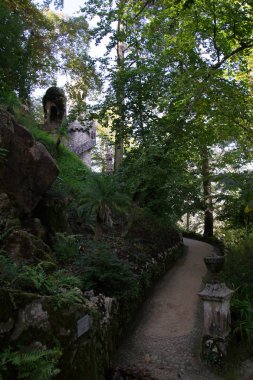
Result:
x=22 y=245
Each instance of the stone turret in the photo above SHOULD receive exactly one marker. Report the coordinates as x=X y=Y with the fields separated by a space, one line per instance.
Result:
x=82 y=138
x=109 y=161
x=54 y=105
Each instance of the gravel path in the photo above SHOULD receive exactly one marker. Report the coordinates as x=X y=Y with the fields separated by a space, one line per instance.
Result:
x=166 y=335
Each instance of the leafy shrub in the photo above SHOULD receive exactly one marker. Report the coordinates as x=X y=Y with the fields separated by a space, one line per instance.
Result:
x=8 y=270
x=237 y=236
x=67 y=247
x=3 y=153
x=39 y=364
x=100 y=198
x=243 y=317
x=10 y=102
x=151 y=232
x=238 y=274
x=34 y=278
x=104 y=272
x=4 y=230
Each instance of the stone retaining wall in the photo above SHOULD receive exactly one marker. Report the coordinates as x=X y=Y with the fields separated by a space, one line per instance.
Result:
x=87 y=333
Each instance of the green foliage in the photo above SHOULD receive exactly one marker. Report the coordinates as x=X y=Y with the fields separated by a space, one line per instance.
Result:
x=8 y=270
x=237 y=196
x=236 y=236
x=70 y=296
x=27 y=52
x=243 y=317
x=31 y=278
x=42 y=279
x=182 y=86
x=73 y=171
x=67 y=247
x=102 y=271
x=239 y=267
x=61 y=133
x=39 y=364
x=238 y=274
x=166 y=190
x=3 y=153
x=4 y=229
x=36 y=39
x=10 y=102
x=100 y=198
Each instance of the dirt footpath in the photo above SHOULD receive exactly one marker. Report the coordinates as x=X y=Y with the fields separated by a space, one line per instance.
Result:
x=166 y=335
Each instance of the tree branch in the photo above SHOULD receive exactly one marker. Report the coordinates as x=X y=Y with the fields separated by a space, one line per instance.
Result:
x=142 y=9
x=242 y=47
x=215 y=33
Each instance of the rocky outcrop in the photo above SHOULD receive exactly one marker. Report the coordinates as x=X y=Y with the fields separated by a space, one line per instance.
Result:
x=22 y=245
x=27 y=171
x=84 y=331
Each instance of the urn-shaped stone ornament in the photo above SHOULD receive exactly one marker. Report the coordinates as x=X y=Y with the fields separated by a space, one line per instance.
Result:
x=216 y=302
x=214 y=263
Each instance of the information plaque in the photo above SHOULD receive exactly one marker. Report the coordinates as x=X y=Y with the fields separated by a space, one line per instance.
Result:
x=83 y=325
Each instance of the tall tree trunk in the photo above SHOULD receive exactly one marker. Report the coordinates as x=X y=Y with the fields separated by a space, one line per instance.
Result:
x=207 y=190
x=120 y=93
x=98 y=229
x=187 y=221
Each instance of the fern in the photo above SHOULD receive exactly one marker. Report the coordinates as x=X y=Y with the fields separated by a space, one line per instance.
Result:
x=70 y=296
x=102 y=271
x=67 y=247
x=61 y=279
x=39 y=364
x=60 y=284
x=100 y=198
x=8 y=270
x=4 y=231
x=30 y=277
x=3 y=153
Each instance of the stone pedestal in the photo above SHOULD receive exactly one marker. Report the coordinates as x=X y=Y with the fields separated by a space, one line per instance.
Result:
x=216 y=301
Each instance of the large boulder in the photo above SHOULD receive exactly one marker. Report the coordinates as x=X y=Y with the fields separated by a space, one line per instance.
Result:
x=21 y=245
x=28 y=170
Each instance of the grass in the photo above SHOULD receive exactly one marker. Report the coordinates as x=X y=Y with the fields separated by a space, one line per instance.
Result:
x=73 y=171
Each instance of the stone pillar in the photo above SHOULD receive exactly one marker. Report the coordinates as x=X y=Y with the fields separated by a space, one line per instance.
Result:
x=216 y=298
x=109 y=162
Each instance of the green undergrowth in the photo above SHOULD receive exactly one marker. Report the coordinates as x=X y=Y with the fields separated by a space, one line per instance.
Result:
x=123 y=263
x=238 y=274
x=102 y=271
x=43 y=279
x=72 y=170
x=37 y=363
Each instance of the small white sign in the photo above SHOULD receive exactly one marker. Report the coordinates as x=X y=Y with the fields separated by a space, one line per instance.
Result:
x=83 y=325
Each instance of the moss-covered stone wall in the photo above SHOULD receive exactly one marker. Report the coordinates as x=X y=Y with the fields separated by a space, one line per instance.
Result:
x=30 y=320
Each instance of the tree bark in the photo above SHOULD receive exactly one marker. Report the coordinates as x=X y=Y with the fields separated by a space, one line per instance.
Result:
x=207 y=191
x=120 y=95
x=187 y=221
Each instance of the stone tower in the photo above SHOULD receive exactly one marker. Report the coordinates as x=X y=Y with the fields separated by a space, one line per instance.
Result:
x=82 y=138
x=54 y=105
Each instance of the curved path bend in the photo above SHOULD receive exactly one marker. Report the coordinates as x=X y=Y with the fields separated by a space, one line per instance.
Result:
x=166 y=335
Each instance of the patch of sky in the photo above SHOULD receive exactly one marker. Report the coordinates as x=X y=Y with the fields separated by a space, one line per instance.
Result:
x=72 y=8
